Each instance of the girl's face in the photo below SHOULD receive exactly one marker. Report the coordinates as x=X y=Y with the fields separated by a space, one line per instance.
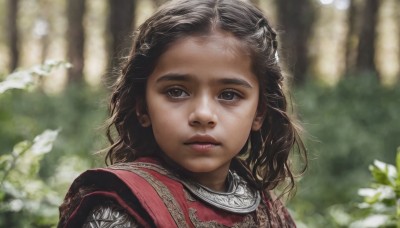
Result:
x=202 y=102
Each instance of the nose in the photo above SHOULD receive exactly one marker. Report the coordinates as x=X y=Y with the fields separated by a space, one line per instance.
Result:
x=203 y=114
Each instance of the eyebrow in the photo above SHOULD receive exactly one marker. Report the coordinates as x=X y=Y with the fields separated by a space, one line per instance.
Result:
x=235 y=81
x=187 y=77
x=174 y=77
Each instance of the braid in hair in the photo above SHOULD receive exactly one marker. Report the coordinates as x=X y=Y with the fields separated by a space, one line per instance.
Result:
x=268 y=36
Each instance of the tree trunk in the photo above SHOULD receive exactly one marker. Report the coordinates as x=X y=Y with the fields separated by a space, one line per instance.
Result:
x=366 y=49
x=44 y=22
x=296 y=20
x=76 y=40
x=120 y=26
x=13 y=38
x=398 y=38
x=351 y=39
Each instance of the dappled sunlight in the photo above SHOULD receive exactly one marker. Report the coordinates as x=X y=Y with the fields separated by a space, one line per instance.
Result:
x=388 y=50
x=43 y=38
x=95 y=51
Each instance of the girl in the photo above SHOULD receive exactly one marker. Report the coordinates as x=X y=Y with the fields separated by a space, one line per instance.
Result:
x=198 y=127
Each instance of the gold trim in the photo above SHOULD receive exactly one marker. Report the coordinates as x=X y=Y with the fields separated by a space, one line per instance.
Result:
x=241 y=199
x=162 y=190
x=248 y=221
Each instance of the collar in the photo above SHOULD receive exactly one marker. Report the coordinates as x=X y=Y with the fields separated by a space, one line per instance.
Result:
x=239 y=198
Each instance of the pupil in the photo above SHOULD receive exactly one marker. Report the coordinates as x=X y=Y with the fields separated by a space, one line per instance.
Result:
x=227 y=95
x=176 y=93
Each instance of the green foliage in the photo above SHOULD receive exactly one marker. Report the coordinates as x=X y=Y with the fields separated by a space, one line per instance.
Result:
x=26 y=198
x=22 y=191
x=78 y=110
x=381 y=204
x=34 y=181
x=348 y=127
x=381 y=201
x=25 y=79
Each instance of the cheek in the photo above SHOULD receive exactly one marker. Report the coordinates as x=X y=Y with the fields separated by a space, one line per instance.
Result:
x=162 y=126
x=163 y=119
x=240 y=122
x=245 y=114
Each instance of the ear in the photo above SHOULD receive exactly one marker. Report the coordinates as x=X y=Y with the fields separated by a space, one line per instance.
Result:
x=144 y=120
x=258 y=120
x=141 y=113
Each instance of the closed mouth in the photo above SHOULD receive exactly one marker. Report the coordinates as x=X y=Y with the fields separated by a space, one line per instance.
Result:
x=202 y=140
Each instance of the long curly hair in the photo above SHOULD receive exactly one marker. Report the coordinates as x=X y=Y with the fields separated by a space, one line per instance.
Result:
x=265 y=159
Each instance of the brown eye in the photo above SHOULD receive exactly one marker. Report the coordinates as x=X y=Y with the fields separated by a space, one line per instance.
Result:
x=228 y=95
x=177 y=93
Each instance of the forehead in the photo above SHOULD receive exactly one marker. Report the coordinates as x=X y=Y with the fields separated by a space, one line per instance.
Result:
x=216 y=54
x=218 y=40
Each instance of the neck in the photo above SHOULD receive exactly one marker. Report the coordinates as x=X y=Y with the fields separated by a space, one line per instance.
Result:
x=214 y=181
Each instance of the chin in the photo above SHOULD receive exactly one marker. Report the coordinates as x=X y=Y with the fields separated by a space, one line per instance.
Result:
x=200 y=168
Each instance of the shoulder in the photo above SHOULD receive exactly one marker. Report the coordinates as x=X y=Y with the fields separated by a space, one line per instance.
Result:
x=122 y=183
x=109 y=214
x=118 y=177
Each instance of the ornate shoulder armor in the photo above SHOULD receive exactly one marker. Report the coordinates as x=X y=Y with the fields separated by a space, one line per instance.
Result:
x=109 y=215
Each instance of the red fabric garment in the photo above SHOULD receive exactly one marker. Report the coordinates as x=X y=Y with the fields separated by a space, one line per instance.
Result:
x=154 y=198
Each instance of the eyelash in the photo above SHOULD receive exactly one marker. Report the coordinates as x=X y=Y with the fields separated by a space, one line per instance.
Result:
x=182 y=94
x=236 y=95
x=169 y=92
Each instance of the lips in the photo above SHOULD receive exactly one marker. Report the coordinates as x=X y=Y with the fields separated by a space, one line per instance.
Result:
x=202 y=139
x=202 y=143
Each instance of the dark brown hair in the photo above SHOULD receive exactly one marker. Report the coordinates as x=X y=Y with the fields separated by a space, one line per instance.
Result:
x=264 y=160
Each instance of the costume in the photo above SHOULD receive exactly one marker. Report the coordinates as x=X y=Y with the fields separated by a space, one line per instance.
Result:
x=145 y=194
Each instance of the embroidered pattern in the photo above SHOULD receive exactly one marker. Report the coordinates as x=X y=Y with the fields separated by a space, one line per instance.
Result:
x=262 y=217
x=162 y=190
x=240 y=199
x=109 y=215
x=153 y=167
x=189 y=196
x=248 y=221
x=267 y=214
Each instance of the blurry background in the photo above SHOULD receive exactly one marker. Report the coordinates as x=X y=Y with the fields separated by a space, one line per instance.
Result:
x=341 y=56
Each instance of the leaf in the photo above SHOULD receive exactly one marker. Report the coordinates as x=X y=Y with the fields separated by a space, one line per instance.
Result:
x=20 y=148
x=17 y=80
x=380 y=165
x=367 y=192
x=48 y=66
x=5 y=162
x=26 y=78
x=16 y=205
x=43 y=143
x=12 y=190
x=371 y=221
x=339 y=215
x=373 y=199
x=386 y=192
x=380 y=172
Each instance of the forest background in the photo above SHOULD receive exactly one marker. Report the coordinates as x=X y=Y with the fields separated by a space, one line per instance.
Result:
x=342 y=58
